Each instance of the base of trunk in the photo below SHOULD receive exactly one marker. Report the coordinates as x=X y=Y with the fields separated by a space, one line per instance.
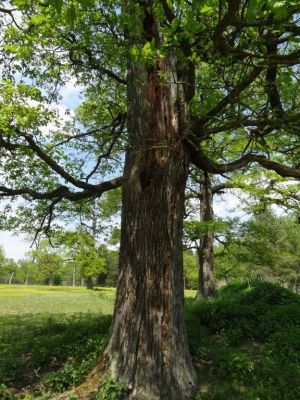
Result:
x=103 y=370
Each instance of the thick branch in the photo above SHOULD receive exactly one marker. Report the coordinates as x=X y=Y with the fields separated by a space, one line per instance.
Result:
x=167 y=10
x=54 y=166
x=217 y=189
x=201 y=161
x=259 y=123
x=62 y=192
x=271 y=75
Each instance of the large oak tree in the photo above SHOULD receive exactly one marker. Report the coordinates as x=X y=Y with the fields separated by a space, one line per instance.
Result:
x=162 y=80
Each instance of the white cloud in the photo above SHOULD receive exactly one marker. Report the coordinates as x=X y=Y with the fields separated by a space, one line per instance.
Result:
x=70 y=94
x=14 y=246
x=229 y=205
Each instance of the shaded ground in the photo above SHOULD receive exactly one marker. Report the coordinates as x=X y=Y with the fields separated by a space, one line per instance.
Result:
x=245 y=344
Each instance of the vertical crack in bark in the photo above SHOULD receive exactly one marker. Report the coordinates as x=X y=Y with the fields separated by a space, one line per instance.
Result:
x=135 y=366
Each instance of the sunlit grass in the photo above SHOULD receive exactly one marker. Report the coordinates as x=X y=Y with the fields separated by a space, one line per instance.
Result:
x=25 y=300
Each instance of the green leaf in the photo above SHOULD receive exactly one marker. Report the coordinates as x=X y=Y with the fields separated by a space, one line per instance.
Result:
x=71 y=14
x=280 y=10
x=205 y=9
x=252 y=11
x=57 y=5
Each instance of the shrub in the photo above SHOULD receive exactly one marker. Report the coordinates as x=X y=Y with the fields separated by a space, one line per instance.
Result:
x=110 y=390
x=279 y=318
x=57 y=279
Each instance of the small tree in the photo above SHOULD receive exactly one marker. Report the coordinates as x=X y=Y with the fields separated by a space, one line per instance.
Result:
x=47 y=261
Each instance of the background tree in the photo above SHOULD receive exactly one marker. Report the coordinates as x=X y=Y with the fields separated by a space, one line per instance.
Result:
x=191 y=270
x=2 y=261
x=27 y=272
x=201 y=227
x=266 y=247
x=48 y=262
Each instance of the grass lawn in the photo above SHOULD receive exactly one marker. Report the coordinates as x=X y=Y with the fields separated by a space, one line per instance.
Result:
x=43 y=328
x=245 y=344
x=22 y=300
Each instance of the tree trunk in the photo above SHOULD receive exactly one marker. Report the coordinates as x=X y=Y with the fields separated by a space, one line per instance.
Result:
x=206 y=285
x=74 y=276
x=89 y=279
x=26 y=279
x=89 y=283
x=11 y=278
x=148 y=349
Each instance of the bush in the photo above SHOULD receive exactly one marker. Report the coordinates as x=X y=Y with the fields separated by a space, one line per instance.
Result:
x=57 y=279
x=256 y=291
x=262 y=321
x=284 y=346
x=268 y=293
x=235 y=365
x=279 y=318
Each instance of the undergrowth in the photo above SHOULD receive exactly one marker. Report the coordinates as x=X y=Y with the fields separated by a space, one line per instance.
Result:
x=245 y=345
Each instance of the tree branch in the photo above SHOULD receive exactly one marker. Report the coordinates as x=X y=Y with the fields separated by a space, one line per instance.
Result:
x=62 y=192
x=200 y=160
x=229 y=98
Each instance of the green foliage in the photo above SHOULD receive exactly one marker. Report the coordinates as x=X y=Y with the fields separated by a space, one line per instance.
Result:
x=41 y=360
x=265 y=246
x=57 y=279
x=191 y=270
x=110 y=390
x=194 y=229
x=47 y=263
x=246 y=342
x=73 y=372
x=5 y=393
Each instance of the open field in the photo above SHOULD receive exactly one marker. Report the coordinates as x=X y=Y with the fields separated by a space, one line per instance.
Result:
x=26 y=300
x=245 y=344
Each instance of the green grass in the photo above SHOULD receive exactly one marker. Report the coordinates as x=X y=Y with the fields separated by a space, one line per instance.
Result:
x=245 y=343
x=28 y=300
x=50 y=336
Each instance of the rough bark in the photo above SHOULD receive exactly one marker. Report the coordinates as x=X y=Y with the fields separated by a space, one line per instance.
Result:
x=148 y=348
x=206 y=285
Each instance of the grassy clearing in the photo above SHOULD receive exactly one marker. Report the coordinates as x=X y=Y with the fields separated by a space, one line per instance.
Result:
x=27 y=300
x=50 y=336
x=245 y=344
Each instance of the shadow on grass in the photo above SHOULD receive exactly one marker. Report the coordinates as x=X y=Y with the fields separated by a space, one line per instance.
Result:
x=49 y=352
